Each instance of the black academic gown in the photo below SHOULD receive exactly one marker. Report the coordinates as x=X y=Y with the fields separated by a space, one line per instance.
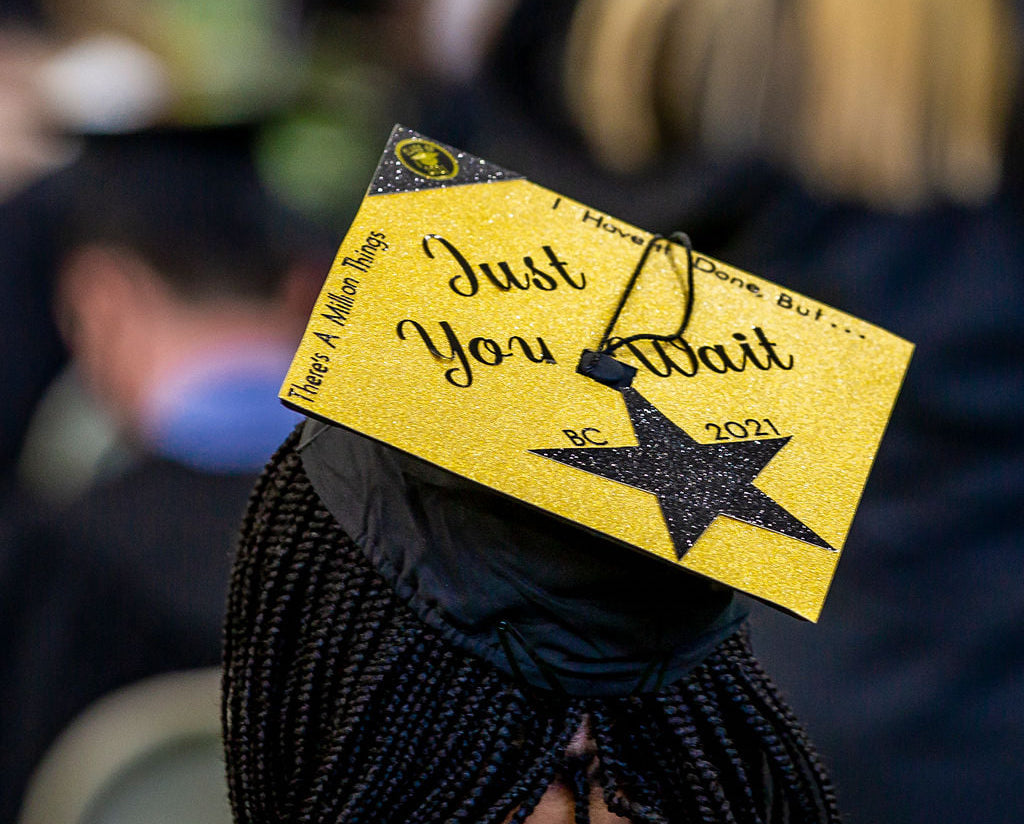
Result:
x=128 y=582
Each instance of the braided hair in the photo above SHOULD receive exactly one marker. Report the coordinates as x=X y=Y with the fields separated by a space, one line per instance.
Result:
x=341 y=705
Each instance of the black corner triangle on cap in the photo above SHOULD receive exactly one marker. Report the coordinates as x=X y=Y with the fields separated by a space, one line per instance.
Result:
x=413 y=162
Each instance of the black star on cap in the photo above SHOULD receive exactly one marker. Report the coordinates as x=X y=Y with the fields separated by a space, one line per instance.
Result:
x=694 y=482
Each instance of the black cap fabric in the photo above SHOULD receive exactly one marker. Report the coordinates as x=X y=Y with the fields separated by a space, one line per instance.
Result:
x=535 y=595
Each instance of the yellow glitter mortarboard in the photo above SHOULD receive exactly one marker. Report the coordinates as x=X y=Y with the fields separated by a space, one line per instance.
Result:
x=452 y=324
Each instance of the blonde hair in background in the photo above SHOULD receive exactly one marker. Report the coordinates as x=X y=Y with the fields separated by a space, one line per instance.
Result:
x=612 y=79
x=890 y=102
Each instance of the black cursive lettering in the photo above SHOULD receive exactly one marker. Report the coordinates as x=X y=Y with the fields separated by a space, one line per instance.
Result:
x=718 y=358
x=501 y=274
x=481 y=350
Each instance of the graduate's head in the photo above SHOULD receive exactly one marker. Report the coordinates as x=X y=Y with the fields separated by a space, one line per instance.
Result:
x=192 y=206
x=171 y=246
x=371 y=678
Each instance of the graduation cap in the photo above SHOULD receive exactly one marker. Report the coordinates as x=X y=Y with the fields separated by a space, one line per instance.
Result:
x=663 y=400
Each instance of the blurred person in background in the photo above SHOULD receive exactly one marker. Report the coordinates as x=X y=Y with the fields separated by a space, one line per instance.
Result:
x=73 y=69
x=182 y=291
x=155 y=155
x=181 y=282
x=868 y=155
x=302 y=75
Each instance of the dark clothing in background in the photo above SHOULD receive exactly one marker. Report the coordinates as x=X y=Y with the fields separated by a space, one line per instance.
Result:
x=912 y=682
x=33 y=351
x=128 y=582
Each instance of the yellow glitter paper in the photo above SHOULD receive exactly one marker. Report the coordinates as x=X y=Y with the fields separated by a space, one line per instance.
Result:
x=413 y=343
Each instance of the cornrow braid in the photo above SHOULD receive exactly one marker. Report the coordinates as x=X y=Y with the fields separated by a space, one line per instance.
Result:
x=341 y=705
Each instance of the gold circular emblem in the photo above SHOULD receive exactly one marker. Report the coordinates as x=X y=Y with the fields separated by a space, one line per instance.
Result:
x=426 y=159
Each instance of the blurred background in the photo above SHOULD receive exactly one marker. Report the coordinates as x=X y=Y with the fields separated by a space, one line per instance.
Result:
x=175 y=176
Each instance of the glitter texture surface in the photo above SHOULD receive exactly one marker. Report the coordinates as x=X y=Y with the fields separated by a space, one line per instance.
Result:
x=694 y=483
x=454 y=316
x=394 y=176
